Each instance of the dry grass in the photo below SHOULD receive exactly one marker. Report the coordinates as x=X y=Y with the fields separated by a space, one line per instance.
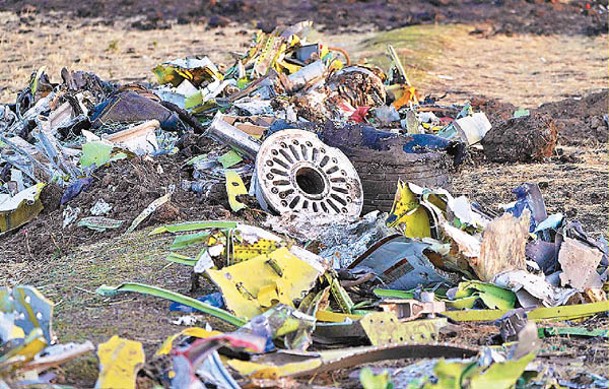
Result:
x=578 y=190
x=524 y=70
x=80 y=314
x=114 y=53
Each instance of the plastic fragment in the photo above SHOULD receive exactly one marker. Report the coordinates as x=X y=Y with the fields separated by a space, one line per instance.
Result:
x=234 y=187
x=100 y=223
x=20 y=209
x=369 y=380
x=119 y=361
x=492 y=296
x=148 y=211
x=229 y=159
x=567 y=312
x=105 y=290
x=97 y=154
x=193 y=226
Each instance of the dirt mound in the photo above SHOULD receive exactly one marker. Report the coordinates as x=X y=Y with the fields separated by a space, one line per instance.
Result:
x=496 y=110
x=525 y=139
x=129 y=186
x=580 y=121
x=504 y=16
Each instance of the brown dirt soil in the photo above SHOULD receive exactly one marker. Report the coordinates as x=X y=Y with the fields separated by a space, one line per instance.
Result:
x=129 y=186
x=530 y=138
x=505 y=16
x=580 y=121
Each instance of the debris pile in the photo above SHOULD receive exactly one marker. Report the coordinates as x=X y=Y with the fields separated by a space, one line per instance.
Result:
x=29 y=347
x=305 y=144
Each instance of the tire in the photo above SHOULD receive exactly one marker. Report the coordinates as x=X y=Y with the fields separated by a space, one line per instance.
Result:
x=379 y=172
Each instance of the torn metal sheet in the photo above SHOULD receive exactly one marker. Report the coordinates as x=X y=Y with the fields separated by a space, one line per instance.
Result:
x=552 y=222
x=369 y=380
x=119 y=361
x=212 y=371
x=196 y=332
x=149 y=210
x=282 y=320
x=344 y=242
x=579 y=262
x=31 y=309
x=306 y=318
x=134 y=106
x=529 y=197
x=470 y=374
x=56 y=355
x=20 y=209
x=196 y=70
x=467 y=246
x=60 y=163
x=494 y=297
x=400 y=263
x=18 y=353
x=339 y=333
x=568 y=312
x=201 y=358
x=532 y=290
x=251 y=287
x=100 y=223
x=408 y=211
x=407 y=310
x=140 y=139
x=290 y=364
x=383 y=328
x=545 y=254
x=234 y=187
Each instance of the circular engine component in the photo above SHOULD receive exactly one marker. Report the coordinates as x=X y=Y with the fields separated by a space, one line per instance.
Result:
x=296 y=172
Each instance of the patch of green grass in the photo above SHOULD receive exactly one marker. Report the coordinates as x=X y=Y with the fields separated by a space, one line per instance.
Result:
x=418 y=47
